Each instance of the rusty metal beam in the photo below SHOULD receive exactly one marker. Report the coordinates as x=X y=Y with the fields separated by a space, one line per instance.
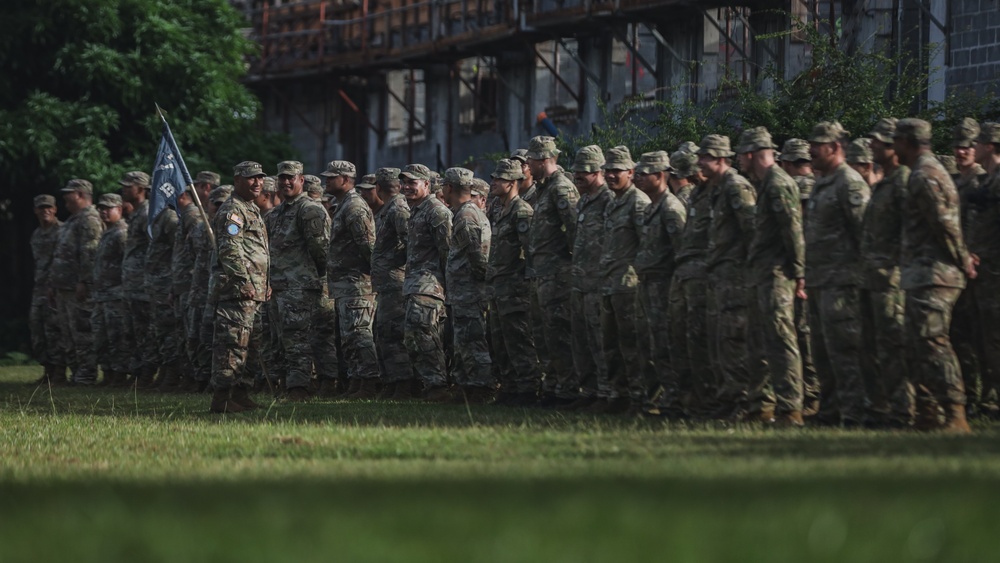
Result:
x=347 y=99
x=729 y=39
x=635 y=53
x=410 y=111
x=555 y=73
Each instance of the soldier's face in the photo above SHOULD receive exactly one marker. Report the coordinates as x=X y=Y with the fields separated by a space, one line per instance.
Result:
x=746 y=162
x=984 y=152
x=415 y=190
x=710 y=165
x=618 y=179
x=536 y=167
x=73 y=201
x=248 y=189
x=130 y=193
x=110 y=215
x=290 y=185
x=46 y=215
x=203 y=189
x=822 y=154
x=587 y=181
x=964 y=156
x=372 y=198
x=528 y=178
x=882 y=152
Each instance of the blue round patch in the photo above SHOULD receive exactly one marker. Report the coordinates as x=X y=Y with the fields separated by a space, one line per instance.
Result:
x=232 y=229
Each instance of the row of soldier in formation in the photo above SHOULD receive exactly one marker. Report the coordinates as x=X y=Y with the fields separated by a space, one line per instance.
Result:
x=673 y=285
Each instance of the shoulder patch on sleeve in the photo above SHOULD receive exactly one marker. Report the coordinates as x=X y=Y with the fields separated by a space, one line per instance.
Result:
x=522 y=226
x=232 y=229
x=236 y=219
x=856 y=198
x=562 y=203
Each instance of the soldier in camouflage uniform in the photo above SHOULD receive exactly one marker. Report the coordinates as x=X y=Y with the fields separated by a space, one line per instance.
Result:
x=510 y=309
x=655 y=263
x=776 y=266
x=984 y=234
x=181 y=272
x=108 y=316
x=349 y=278
x=935 y=263
x=729 y=314
x=859 y=157
x=138 y=322
x=429 y=236
x=528 y=192
x=795 y=160
x=71 y=279
x=313 y=187
x=833 y=275
x=240 y=284
x=553 y=230
x=468 y=256
x=588 y=277
x=46 y=344
x=966 y=333
x=388 y=272
x=159 y=260
x=366 y=189
x=267 y=340
x=201 y=310
x=684 y=174
x=298 y=239
x=890 y=395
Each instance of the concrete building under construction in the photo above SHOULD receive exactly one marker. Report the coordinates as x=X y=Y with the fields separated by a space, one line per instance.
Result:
x=388 y=82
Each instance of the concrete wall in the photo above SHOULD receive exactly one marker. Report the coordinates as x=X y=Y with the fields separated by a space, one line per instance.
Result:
x=975 y=46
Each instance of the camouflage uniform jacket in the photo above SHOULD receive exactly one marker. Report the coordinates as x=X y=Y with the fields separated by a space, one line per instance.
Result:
x=298 y=238
x=241 y=252
x=980 y=198
x=389 y=254
x=160 y=254
x=468 y=255
x=684 y=195
x=806 y=184
x=268 y=218
x=508 y=241
x=660 y=239
x=882 y=230
x=733 y=201
x=73 y=260
x=203 y=258
x=778 y=246
x=429 y=235
x=588 y=246
x=553 y=227
x=692 y=255
x=933 y=250
x=43 y=248
x=134 y=265
x=530 y=195
x=108 y=263
x=352 y=238
x=182 y=262
x=623 y=222
x=833 y=229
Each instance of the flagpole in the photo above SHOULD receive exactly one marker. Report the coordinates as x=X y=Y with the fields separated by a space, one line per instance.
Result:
x=194 y=192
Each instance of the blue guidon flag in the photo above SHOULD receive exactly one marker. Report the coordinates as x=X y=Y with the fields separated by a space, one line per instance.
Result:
x=170 y=177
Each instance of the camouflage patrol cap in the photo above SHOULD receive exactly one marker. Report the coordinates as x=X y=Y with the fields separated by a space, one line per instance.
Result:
x=716 y=146
x=650 y=162
x=618 y=158
x=520 y=155
x=309 y=181
x=207 y=177
x=684 y=164
x=948 y=161
x=110 y=200
x=860 y=151
x=795 y=150
x=290 y=167
x=754 y=139
x=79 y=185
x=828 y=132
x=135 y=178
x=588 y=159
x=387 y=175
x=480 y=187
x=248 y=169
x=458 y=177
x=44 y=200
x=340 y=168
x=270 y=185
x=508 y=169
x=913 y=128
x=989 y=133
x=436 y=185
x=688 y=147
x=965 y=133
x=415 y=172
x=367 y=182
x=220 y=194
x=542 y=147
x=884 y=130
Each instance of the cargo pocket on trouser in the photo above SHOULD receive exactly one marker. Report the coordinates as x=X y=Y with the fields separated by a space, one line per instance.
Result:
x=421 y=328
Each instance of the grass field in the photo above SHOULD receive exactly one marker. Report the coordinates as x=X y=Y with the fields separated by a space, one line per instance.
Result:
x=94 y=475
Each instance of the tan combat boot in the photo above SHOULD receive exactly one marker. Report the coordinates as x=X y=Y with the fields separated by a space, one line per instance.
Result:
x=241 y=396
x=222 y=402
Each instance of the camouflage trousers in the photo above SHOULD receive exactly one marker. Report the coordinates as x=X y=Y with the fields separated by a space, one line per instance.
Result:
x=654 y=341
x=355 y=317
x=166 y=332
x=112 y=345
x=422 y=330
x=889 y=392
x=588 y=351
x=537 y=324
x=76 y=332
x=200 y=369
x=206 y=334
x=689 y=345
x=513 y=346
x=328 y=350
x=729 y=322
x=967 y=337
x=810 y=380
x=231 y=343
x=619 y=335
x=776 y=308
x=390 y=313
x=930 y=358
x=295 y=311
x=139 y=324
x=986 y=289
x=553 y=298
x=472 y=364
x=835 y=319
x=43 y=322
